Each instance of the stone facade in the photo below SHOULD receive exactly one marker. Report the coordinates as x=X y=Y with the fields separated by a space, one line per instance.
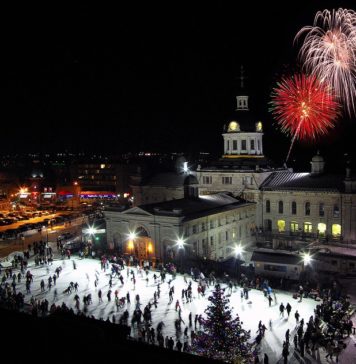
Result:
x=212 y=235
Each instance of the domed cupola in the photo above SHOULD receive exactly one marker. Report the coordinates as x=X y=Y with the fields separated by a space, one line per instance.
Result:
x=317 y=164
x=243 y=131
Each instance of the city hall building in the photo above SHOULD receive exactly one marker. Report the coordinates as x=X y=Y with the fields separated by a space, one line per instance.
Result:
x=244 y=198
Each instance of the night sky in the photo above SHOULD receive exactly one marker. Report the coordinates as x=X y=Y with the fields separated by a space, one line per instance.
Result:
x=160 y=78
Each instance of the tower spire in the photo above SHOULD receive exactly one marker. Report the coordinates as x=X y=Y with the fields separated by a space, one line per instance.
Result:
x=242 y=76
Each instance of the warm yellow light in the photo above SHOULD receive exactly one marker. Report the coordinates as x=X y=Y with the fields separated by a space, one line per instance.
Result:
x=102 y=166
x=75 y=183
x=281 y=225
x=259 y=126
x=294 y=226
x=23 y=189
x=130 y=245
x=233 y=126
x=336 y=230
x=149 y=247
x=321 y=228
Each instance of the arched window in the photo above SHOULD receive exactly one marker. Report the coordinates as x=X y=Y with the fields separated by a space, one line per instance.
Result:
x=308 y=227
x=268 y=206
x=321 y=229
x=307 y=208
x=336 y=230
x=336 y=211
x=294 y=226
x=294 y=208
x=281 y=225
x=321 y=209
x=280 y=207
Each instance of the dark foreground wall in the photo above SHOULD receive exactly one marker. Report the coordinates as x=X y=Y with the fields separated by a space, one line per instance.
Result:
x=66 y=339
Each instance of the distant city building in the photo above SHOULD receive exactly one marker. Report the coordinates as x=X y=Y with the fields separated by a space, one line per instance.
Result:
x=102 y=177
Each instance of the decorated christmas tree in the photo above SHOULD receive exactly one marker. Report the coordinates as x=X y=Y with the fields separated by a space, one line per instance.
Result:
x=222 y=337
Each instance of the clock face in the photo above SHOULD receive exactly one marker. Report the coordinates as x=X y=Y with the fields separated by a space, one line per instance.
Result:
x=233 y=126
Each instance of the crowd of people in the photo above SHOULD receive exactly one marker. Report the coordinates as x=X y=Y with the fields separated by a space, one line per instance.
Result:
x=327 y=328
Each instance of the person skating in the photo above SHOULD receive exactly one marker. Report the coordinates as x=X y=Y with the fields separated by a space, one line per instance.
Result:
x=288 y=308
x=266 y=359
x=281 y=310
x=297 y=315
x=285 y=352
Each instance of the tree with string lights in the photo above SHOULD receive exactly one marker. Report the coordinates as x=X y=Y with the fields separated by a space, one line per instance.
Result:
x=222 y=337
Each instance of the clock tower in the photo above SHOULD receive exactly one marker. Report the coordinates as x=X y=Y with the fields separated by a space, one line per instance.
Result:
x=243 y=133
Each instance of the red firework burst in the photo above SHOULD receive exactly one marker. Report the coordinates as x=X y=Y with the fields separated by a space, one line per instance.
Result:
x=304 y=107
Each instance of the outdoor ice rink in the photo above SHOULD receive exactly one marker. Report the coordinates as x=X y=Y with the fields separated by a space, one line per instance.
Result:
x=251 y=311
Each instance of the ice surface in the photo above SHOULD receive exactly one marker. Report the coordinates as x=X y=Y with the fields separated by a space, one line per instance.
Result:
x=250 y=313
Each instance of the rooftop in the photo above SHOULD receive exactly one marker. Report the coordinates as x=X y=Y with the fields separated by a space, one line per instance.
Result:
x=193 y=208
x=303 y=182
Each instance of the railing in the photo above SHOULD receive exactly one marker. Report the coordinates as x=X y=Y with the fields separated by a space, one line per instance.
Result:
x=289 y=235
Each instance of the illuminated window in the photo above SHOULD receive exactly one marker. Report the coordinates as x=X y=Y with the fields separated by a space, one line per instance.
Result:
x=307 y=208
x=321 y=229
x=281 y=224
x=294 y=208
x=336 y=230
x=321 y=209
x=102 y=166
x=233 y=126
x=268 y=206
x=294 y=226
x=308 y=227
x=280 y=207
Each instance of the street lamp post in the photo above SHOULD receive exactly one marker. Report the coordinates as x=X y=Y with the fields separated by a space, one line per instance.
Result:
x=238 y=251
x=132 y=236
x=180 y=246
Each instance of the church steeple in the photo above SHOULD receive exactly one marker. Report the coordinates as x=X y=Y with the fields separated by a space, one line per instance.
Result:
x=242 y=99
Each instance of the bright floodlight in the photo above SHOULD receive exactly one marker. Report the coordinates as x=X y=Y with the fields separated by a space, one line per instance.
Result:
x=132 y=236
x=307 y=258
x=91 y=231
x=238 y=249
x=185 y=167
x=180 y=243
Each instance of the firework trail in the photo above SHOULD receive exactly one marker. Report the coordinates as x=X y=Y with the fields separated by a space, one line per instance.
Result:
x=329 y=52
x=304 y=107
